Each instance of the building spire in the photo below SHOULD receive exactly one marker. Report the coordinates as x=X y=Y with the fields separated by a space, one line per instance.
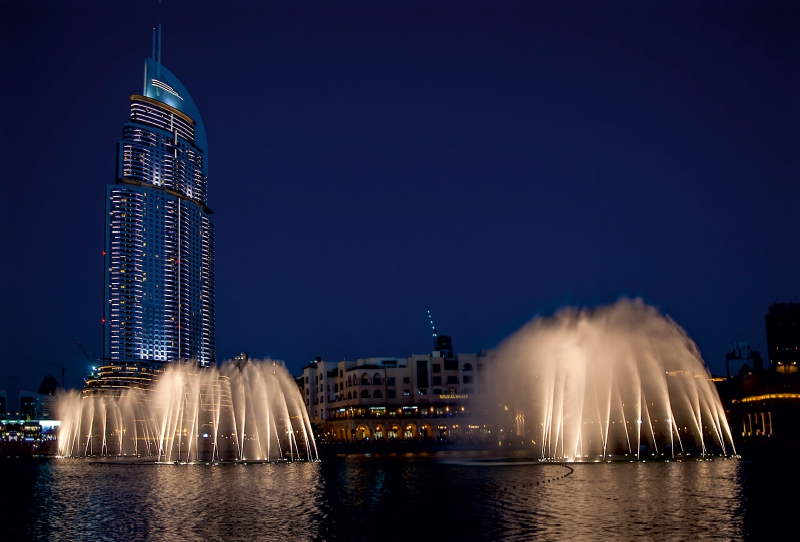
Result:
x=157 y=60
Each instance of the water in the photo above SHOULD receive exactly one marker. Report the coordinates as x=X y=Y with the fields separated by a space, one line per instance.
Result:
x=401 y=497
x=619 y=379
x=239 y=411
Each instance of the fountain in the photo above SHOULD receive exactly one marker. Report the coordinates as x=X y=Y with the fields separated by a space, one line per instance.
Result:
x=617 y=382
x=250 y=411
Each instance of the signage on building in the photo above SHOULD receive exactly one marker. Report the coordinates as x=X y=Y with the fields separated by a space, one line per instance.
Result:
x=448 y=396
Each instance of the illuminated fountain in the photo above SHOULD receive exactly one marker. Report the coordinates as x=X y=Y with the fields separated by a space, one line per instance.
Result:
x=615 y=382
x=239 y=412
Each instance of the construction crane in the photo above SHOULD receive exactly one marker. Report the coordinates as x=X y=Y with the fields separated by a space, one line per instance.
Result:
x=84 y=352
x=63 y=370
x=441 y=343
x=433 y=328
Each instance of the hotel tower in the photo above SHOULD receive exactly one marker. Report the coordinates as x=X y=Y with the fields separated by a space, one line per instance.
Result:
x=159 y=241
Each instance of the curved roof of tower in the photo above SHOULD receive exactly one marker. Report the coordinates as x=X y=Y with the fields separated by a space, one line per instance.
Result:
x=160 y=84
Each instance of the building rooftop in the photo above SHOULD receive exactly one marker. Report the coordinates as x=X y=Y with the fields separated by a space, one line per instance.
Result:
x=160 y=84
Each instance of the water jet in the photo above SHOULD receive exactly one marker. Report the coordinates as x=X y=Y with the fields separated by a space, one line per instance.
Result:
x=619 y=380
x=228 y=414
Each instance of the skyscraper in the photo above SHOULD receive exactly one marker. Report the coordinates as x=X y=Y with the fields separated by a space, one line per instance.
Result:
x=159 y=247
x=783 y=337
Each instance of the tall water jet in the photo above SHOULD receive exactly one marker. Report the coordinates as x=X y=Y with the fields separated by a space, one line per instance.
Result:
x=240 y=411
x=618 y=381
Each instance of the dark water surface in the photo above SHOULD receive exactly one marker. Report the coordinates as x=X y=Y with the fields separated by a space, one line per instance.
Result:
x=400 y=497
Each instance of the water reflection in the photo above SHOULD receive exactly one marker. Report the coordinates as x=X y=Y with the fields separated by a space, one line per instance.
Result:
x=378 y=498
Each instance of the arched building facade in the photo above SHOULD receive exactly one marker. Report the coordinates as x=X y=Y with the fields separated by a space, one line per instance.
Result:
x=420 y=398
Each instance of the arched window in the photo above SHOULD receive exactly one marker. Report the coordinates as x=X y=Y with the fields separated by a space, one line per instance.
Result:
x=378 y=394
x=466 y=367
x=348 y=381
x=376 y=380
x=364 y=380
x=365 y=394
x=349 y=395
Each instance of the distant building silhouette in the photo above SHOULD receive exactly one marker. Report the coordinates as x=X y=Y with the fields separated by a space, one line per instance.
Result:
x=742 y=360
x=444 y=346
x=783 y=337
x=35 y=406
x=241 y=360
x=49 y=386
x=763 y=405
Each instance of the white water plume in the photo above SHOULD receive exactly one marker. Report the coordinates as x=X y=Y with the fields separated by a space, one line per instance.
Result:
x=241 y=411
x=620 y=380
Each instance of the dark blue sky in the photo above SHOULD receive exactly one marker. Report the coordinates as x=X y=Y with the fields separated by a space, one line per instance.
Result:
x=490 y=161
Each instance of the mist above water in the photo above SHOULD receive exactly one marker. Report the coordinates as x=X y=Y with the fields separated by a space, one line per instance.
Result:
x=617 y=381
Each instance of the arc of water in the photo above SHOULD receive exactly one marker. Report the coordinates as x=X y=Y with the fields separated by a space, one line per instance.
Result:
x=104 y=448
x=559 y=404
x=167 y=421
x=297 y=403
x=308 y=433
x=241 y=416
x=277 y=439
x=91 y=424
x=151 y=426
x=232 y=412
x=581 y=396
x=249 y=398
x=164 y=443
x=180 y=416
x=715 y=419
x=694 y=407
x=548 y=420
x=668 y=407
x=268 y=415
x=217 y=408
x=194 y=401
x=549 y=383
x=624 y=419
x=726 y=427
x=239 y=450
x=287 y=424
x=262 y=378
x=115 y=427
x=638 y=417
x=649 y=421
x=77 y=421
x=676 y=428
x=602 y=430
x=177 y=416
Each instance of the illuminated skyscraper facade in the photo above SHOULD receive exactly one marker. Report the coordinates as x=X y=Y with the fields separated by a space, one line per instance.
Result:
x=159 y=247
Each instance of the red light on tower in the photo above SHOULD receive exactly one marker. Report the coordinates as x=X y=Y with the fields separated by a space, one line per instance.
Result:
x=104 y=320
x=104 y=253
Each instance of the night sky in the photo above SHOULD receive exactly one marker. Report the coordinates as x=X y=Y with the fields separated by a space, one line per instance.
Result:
x=368 y=160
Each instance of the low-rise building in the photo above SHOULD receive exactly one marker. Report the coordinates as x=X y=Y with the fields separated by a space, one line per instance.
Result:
x=421 y=397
